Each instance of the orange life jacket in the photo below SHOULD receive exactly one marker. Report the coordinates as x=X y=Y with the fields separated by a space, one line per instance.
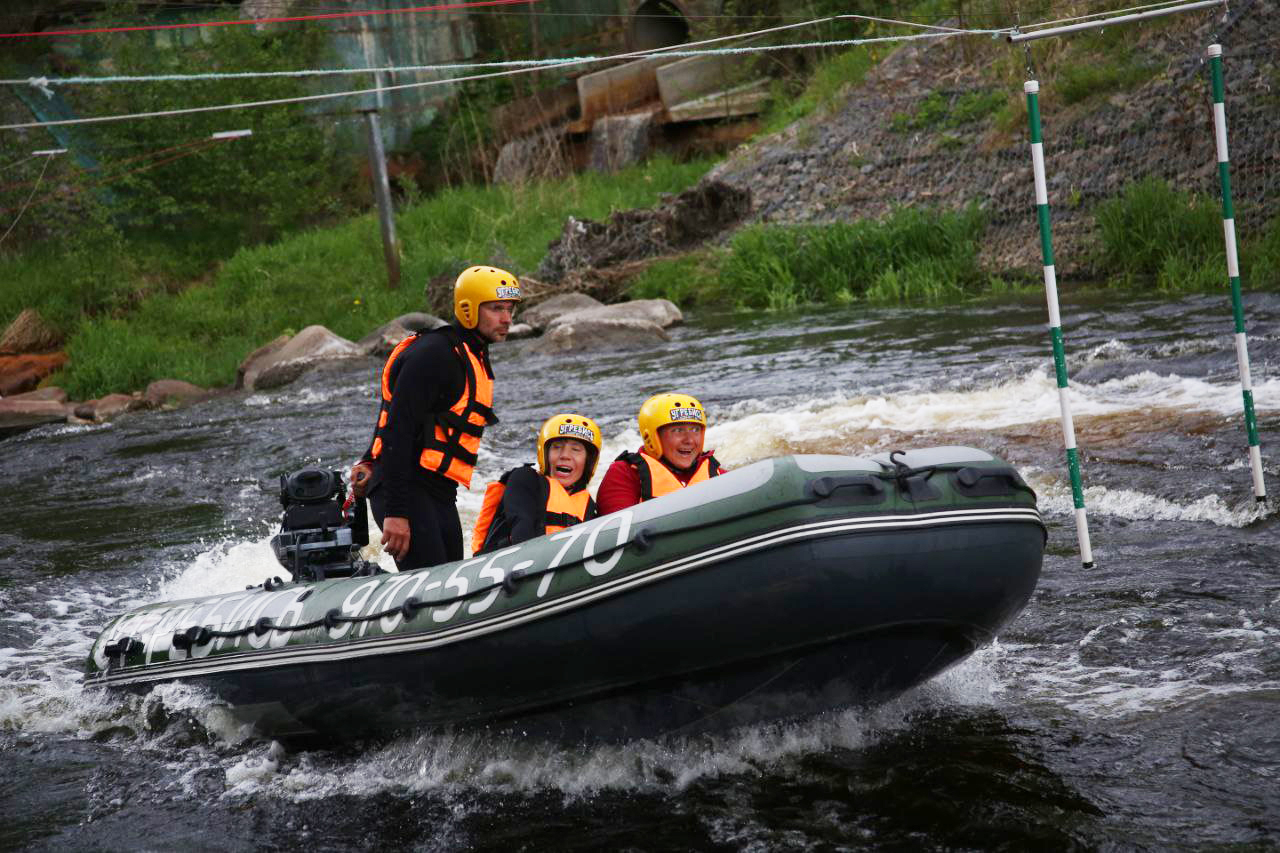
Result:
x=451 y=448
x=656 y=478
x=561 y=510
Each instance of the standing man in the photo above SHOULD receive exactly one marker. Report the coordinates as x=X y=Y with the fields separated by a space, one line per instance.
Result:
x=437 y=397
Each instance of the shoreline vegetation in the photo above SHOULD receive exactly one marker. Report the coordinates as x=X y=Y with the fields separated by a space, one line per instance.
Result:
x=136 y=304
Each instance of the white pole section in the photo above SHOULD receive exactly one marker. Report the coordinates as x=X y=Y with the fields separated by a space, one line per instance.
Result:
x=1032 y=88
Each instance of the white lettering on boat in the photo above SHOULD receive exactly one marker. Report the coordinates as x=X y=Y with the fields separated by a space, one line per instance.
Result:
x=497 y=574
x=595 y=567
x=352 y=605
x=461 y=584
x=291 y=615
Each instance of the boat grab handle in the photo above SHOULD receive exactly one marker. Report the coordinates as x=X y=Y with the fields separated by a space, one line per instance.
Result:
x=869 y=487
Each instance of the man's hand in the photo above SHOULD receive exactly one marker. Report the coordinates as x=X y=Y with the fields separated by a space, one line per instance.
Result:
x=359 y=477
x=395 y=536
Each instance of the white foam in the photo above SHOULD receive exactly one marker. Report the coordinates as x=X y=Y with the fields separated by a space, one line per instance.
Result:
x=840 y=424
x=226 y=567
x=1055 y=499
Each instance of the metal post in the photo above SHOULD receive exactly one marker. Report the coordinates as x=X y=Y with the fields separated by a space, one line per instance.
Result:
x=1032 y=87
x=1233 y=269
x=382 y=191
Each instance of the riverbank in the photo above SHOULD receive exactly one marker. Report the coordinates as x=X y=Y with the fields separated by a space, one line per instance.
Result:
x=890 y=178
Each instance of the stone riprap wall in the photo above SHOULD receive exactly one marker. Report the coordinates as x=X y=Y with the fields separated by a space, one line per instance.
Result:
x=852 y=164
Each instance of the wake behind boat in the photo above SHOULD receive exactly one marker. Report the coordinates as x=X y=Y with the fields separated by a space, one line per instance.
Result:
x=788 y=587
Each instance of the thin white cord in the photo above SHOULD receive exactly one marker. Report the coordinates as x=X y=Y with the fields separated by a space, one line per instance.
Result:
x=16 y=163
x=47 y=159
x=425 y=83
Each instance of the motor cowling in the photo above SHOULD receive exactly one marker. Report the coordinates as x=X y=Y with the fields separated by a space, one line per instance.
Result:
x=319 y=535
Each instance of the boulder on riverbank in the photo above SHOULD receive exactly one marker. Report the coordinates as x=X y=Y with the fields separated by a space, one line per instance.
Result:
x=382 y=340
x=51 y=392
x=171 y=392
x=19 y=373
x=108 y=407
x=599 y=333
x=281 y=365
x=541 y=315
x=21 y=414
x=660 y=312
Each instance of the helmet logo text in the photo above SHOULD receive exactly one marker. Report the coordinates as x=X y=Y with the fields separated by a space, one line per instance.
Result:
x=686 y=414
x=577 y=431
x=507 y=292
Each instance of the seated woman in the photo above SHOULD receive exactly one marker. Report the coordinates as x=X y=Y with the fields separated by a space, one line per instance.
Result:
x=525 y=503
x=672 y=428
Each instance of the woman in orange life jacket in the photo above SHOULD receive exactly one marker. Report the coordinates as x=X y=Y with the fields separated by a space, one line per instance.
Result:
x=525 y=503
x=437 y=397
x=672 y=428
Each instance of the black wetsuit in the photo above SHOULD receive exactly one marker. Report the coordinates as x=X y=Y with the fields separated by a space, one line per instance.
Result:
x=426 y=378
x=522 y=514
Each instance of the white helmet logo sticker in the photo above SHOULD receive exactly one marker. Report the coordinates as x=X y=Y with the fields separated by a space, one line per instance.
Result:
x=686 y=414
x=577 y=432
x=507 y=292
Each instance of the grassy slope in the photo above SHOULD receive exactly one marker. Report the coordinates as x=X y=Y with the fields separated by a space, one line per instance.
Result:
x=336 y=277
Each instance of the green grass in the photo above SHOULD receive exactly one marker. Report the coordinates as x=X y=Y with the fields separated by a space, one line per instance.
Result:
x=1155 y=236
x=911 y=255
x=1154 y=233
x=939 y=111
x=821 y=90
x=336 y=277
x=1098 y=78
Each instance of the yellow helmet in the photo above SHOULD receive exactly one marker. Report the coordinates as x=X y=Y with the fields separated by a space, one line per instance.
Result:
x=481 y=284
x=662 y=409
x=578 y=427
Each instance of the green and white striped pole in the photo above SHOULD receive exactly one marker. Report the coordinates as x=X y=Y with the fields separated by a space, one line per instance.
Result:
x=1032 y=88
x=1233 y=270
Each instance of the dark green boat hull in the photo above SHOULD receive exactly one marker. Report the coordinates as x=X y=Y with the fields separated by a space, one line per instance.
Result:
x=778 y=596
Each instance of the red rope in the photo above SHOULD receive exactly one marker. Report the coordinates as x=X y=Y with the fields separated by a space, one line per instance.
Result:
x=444 y=7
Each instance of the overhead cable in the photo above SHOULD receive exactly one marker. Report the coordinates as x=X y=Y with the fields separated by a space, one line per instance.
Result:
x=659 y=52
x=43 y=83
x=191 y=25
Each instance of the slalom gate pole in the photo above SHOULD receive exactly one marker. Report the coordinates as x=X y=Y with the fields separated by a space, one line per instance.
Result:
x=1032 y=88
x=1233 y=269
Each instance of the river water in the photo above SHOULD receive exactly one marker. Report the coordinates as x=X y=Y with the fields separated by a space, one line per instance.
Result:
x=1135 y=705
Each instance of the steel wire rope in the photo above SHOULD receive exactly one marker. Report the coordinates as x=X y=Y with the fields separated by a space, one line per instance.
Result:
x=507 y=73
x=669 y=50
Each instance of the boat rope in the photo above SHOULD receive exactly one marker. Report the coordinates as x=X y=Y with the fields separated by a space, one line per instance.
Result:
x=816 y=491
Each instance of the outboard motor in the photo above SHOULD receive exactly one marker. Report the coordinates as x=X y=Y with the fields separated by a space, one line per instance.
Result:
x=320 y=536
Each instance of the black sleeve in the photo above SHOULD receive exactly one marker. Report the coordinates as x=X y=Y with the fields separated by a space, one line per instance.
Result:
x=525 y=504
x=427 y=379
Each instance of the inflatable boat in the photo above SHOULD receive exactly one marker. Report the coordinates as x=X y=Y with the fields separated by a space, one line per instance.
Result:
x=787 y=587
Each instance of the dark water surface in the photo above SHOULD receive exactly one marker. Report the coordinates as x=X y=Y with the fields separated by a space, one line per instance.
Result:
x=1135 y=705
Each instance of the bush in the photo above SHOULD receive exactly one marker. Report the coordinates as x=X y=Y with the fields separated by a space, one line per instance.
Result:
x=910 y=255
x=1154 y=232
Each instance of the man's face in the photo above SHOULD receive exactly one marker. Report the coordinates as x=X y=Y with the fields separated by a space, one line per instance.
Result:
x=681 y=443
x=493 y=319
